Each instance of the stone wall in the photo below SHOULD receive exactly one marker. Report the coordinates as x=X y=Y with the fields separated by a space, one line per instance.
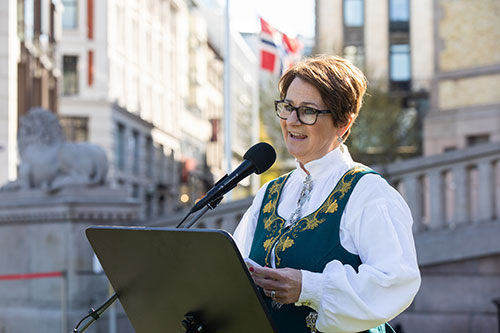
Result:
x=469 y=30
x=465 y=104
x=41 y=233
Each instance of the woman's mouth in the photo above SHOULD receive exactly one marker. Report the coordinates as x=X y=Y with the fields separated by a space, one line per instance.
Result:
x=296 y=135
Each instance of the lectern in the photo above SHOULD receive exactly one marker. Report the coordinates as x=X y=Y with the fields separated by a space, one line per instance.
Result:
x=180 y=280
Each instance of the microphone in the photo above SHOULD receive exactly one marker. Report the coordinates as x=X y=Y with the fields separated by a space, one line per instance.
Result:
x=257 y=159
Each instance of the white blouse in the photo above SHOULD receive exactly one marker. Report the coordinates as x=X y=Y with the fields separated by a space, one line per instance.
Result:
x=375 y=225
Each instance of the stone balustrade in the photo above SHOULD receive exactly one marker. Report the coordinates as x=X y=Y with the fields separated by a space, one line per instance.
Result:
x=447 y=190
x=443 y=191
x=226 y=217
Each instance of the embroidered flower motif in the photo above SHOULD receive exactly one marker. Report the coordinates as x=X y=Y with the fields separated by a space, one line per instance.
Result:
x=313 y=223
x=268 y=223
x=274 y=188
x=268 y=244
x=333 y=207
x=345 y=188
x=288 y=242
x=268 y=207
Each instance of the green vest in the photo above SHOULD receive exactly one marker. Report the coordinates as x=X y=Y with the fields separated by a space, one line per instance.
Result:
x=310 y=244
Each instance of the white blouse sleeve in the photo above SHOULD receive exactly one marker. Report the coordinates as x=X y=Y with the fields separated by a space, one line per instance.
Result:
x=243 y=235
x=378 y=223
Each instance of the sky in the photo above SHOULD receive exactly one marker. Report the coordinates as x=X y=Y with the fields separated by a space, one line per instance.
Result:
x=291 y=17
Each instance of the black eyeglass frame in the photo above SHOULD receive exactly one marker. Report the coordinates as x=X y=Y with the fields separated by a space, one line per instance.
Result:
x=296 y=109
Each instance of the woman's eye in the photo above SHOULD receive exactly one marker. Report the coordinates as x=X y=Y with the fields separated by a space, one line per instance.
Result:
x=308 y=111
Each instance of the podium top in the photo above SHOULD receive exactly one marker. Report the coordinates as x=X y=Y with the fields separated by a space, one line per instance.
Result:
x=161 y=274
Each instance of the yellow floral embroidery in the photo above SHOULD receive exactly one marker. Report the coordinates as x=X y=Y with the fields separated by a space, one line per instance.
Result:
x=312 y=223
x=288 y=242
x=344 y=188
x=274 y=188
x=287 y=239
x=268 y=244
x=333 y=207
x=267 y=224
x=268 y=207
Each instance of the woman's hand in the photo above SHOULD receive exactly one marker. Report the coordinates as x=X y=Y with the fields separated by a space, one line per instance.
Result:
x=285 y=284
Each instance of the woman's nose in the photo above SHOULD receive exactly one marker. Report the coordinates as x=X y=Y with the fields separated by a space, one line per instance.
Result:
x=293 y=118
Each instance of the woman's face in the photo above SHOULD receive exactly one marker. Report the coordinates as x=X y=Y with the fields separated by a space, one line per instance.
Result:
x=308 y=142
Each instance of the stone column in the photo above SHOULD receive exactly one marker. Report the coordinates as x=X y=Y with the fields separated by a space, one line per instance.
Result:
x=461 y=202
x=436 y=199
x=486 y=195
x=413 y=193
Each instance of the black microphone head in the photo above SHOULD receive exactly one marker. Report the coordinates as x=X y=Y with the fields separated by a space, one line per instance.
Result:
x=262 y=155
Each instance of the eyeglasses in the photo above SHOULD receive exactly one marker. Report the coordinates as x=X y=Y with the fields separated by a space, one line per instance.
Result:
x=306 y=115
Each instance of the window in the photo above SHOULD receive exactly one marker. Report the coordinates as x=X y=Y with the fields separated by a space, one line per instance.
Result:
x=70 y=14
x=400 y=62
x=215 y=122
x=353 y=13
x=149 y=157
x=399 y=16
x=135 y=150
x=20 y=19
x=356 y=54
x=29 y=19
x=75 y=128
x=399 y=10
x=160 y=163
x=473 y=140
x=120 y=147
x=148 y=202
x=135 y=191
x=70 y=75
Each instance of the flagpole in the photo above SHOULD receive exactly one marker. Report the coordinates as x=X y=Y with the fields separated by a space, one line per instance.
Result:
x=227 y=97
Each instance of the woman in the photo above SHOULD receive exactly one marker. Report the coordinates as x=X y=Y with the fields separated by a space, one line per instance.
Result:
x=334 y=237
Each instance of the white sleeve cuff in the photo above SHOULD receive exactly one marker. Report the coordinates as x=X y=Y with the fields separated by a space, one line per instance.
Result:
x=312 y=289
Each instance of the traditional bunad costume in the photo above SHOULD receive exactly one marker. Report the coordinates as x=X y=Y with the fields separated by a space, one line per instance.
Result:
x=348 y=231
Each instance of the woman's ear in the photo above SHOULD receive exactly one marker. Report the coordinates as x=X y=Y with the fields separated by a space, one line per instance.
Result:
x=345 y=128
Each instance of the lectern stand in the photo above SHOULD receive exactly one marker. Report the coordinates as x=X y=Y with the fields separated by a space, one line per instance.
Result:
x=180 y=280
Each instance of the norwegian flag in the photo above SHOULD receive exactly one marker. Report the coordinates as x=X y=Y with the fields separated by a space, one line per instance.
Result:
x=278 y=51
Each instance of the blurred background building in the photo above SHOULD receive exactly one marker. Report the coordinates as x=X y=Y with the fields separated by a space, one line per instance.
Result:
x=124 y=86
x=145 y=81
x=29 y=34
x=465 y=99
x=392 y=42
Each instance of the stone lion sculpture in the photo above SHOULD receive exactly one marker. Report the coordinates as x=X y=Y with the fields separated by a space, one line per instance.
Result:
x=49 y=162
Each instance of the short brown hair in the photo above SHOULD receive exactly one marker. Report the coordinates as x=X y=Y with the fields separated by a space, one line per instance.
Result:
x=340 y=84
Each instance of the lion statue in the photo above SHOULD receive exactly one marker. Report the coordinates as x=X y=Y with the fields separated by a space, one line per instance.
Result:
x=49 y=162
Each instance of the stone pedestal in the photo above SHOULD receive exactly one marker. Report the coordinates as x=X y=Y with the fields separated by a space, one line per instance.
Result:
x=41 y=233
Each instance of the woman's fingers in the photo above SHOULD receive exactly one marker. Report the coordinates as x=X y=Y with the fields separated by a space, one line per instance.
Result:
x=285 y=282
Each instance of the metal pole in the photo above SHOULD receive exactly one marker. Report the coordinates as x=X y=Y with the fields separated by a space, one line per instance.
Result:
x=227 y=96
x=64 y=302
x=496 y=301
x=255 y=120
x=112 y=313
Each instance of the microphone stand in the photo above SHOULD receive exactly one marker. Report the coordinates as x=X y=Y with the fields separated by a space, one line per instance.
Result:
x=96 y=314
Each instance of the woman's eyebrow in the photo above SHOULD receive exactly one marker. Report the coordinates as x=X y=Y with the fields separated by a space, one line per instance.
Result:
x=302 y=104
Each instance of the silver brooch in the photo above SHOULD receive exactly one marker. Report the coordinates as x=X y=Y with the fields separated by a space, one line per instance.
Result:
x=311 y=320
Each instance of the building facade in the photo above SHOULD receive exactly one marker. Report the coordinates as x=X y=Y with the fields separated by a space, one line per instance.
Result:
x=29 y=33
x=125 y=83
x=391 y=41
x=465 y=104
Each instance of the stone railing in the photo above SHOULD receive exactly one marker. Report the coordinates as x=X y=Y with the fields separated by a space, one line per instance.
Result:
x=450 y=189
x=456 y=192
x=226 y=217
